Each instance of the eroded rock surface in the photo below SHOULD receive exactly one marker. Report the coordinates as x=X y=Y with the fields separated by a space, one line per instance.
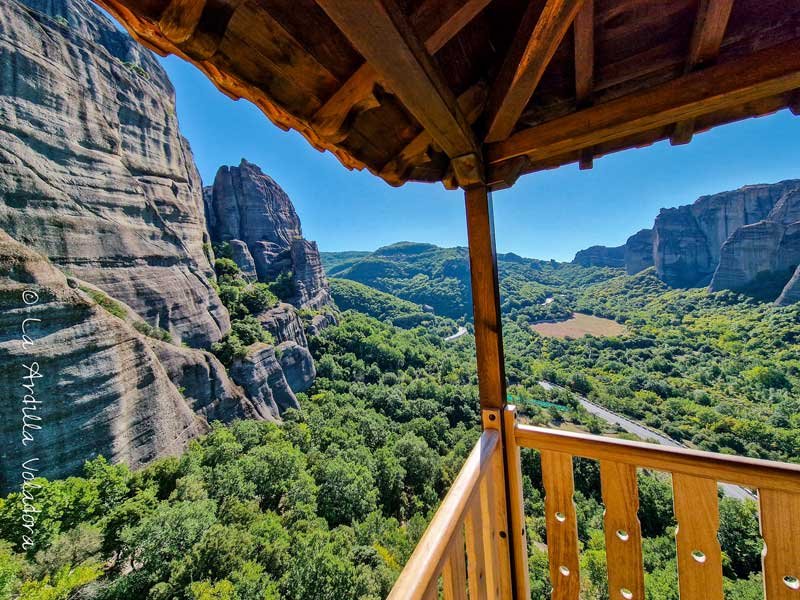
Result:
x=601 y=256
x=102 y=389
x=252 y=213
x=297 y=365
x=639 y=251
x=261 y=376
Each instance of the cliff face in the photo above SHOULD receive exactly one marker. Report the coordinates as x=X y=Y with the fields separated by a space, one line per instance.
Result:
x=689 y=239
x=94 y=172
x=745 y=240
x=101 y=390
x=249 y=211
x=639 y=251
x=601 y=256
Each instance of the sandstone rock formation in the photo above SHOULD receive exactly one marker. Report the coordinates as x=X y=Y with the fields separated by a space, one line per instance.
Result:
x=260 y=367
x=688 y=239
x=601 y=256
x=94 y=172
x=249 y=211
x=639 y=251
x=284 y=325
x=102 y=388
x=763 y=257
x=745 y=240
x=297 y=366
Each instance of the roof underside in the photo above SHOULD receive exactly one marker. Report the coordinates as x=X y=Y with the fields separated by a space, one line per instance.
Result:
x=468 y=91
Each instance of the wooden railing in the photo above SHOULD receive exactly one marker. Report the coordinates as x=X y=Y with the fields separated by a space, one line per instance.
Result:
x=476 y=541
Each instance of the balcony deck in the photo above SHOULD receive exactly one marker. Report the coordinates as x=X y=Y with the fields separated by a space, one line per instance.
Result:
x=475 y=547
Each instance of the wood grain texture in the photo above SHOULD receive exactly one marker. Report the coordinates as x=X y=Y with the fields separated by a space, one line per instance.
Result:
x=709 y=30
x=489 y=532
x=454 y=575
x=699 y=554
x=562 y=525
x=524 y=65
x=623 y=532
x=427 y=561
x=780 y=528
x=518 y=538
x=485 y=298
x=476 y=553
x=748 y=472
x=759 y=75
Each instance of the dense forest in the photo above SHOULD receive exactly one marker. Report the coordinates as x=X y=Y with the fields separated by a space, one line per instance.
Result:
x=329 y=504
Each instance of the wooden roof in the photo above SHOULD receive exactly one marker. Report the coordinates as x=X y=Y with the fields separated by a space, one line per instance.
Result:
x=463 y=91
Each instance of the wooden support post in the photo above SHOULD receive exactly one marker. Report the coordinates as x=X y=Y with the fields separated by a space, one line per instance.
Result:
x=485 y=298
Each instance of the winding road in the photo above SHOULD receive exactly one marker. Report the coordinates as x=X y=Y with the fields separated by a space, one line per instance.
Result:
x=461 y=332
x=645 y=433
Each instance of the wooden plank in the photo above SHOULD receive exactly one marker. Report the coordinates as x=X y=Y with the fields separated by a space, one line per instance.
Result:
x=562 y=525
x=518 y=539
x=436 y=22
x=492 y=572
x=584 y=53
x=533 y=46
x=749 y=472
x=429 y=555
x=699 y=554
x=439 y=21
x=485 y=298
x=584 y=67
x=179 y=20
x=623 y=532
x=471 y=103
x=350 y=99
x=432 y=592
x=454 y=576
x=476 y=555
x=780 y=528
x=762 y=74
x=709 y=30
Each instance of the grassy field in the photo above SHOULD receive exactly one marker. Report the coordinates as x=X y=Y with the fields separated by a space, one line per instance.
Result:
x=580 y=325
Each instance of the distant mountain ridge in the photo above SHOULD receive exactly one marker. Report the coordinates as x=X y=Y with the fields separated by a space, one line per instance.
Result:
x=745 y=240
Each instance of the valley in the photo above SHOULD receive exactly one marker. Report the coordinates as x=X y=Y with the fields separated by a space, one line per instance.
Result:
x=579 y=325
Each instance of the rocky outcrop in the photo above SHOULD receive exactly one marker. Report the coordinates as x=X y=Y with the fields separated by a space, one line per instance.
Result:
x=791 y=291
x=94 y=172
x=249 y=211
x=639 y=251
x=763 y=257
x=689 y=239
x=320 y=322
x=101 y=389
x=601 y=256
x=284 y=325
x=297 y=366
x=262 y=378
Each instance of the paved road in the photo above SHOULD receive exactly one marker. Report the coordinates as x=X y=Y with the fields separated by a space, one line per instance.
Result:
x=461 y=331
x=645 y=433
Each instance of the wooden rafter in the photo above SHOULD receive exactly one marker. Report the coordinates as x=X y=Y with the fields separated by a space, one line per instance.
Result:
x=381 y=33
x=765 y=73
x=435 y=22
x=532 y=48
x=584 y=65
x=709 y=30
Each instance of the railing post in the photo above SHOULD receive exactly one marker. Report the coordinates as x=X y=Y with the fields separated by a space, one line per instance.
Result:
x=492 y=380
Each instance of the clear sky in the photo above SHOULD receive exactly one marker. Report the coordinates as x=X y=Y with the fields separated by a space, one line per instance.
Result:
x=545 y=215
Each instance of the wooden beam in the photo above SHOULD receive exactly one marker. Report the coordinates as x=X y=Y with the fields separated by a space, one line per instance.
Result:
x=531 y=50
x=485 y=298
x=709 y=30
x=794 y=103
x=435 y=21
x=471 y=104
x=380 y=32
x=762 y=74
x=584 y=67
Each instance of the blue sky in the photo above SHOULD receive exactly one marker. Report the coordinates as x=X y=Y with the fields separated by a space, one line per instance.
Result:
x=546 y=215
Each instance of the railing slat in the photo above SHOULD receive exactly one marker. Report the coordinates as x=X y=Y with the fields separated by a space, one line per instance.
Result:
x=518 y=538
x=476 y=574
x=499 y=516
x=488 y=506
x=699 y=554
x=622 y=530
x=562 y=525
x=432 y=591
x=454 y=575
x=780 y=528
